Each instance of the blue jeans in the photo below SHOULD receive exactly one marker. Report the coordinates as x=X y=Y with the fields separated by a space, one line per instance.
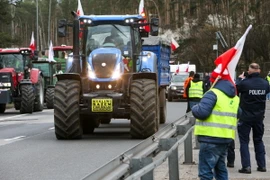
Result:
x=244 y=128
x=212 y=161
x=268 y=96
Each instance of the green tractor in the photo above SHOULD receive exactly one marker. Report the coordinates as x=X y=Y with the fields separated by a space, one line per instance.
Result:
x=49 y=70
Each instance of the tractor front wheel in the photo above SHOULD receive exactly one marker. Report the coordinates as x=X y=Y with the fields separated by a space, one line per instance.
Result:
x=27 y=99
x=2 y=108
x=39 y=99
x=67 y=110
x=143 y=106
x=49 y=98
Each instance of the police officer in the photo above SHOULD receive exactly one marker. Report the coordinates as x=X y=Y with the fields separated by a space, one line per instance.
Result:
x=252 y=91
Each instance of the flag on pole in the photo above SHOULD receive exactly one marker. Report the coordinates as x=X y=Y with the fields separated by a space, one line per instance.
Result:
x=226 y=62
x=51 y=53
x=174 y=44
x=79 y=9
x=178 y=69
x=187 y=68
x=142 y=12
x=32 y=45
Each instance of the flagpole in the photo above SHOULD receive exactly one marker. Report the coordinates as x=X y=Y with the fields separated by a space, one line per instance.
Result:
x=49 y=23
x=37 y=25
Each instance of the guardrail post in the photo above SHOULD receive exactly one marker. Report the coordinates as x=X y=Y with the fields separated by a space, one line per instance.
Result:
x=182 y=130
x=137 y=164
x=165 y=145
x=192 y=120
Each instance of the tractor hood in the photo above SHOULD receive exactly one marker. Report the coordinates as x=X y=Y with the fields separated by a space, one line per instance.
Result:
x=105 y=62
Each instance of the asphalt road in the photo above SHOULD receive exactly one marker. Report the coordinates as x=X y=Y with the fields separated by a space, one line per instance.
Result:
x=30 y=151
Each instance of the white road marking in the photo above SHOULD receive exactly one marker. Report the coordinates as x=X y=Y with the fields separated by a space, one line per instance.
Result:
x=15 y=138
x=52 y=128
x=13 y=117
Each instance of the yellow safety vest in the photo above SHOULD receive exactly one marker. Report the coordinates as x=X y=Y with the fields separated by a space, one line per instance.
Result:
x=223 y=119
x=195 y=90
x=268 y=79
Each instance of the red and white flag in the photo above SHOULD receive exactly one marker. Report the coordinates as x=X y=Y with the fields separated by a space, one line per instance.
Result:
x=174 y=44
x=79 y=9
x=187 y=68
x=32 y=45
x=51 y=53
x=226 y=62
x=141 y=11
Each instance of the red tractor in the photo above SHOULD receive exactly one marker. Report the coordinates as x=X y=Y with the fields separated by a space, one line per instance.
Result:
x=20 y=84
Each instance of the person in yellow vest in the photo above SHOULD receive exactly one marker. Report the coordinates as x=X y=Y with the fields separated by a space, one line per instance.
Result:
x=268 y=79
x=190 y=77
x=195 y=90
x=216 y=121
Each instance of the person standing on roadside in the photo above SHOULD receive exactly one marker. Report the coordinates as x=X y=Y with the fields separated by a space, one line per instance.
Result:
x=206 y=82
x=252 y=91
x=216 y=120
x=195 y=90
x=190 y=77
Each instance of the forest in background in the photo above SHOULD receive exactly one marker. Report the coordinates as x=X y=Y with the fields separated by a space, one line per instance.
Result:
x=193 y=23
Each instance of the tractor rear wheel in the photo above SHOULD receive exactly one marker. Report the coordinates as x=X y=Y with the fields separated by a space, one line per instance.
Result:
x=163 y=106
x=49 y=98
x=2 y=108
x=27 y=99
x=143 y=106
x=39 y=96
x=66 y=110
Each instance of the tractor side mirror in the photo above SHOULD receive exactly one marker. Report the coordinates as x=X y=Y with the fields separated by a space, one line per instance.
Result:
x=154 y=25
x=62 y=26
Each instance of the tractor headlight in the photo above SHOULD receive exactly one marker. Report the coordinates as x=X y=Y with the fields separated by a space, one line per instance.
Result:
x=117 y=72
x=91 y=73
x=173 y=87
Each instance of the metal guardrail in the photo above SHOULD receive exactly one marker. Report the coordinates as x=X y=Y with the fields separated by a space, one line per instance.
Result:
x=142 y=159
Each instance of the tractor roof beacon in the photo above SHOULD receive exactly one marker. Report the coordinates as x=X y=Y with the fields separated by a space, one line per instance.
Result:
x=110 y=77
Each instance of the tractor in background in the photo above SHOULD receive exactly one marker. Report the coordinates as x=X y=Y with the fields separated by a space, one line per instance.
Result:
x=20 y=84
x=61 y=55
x=110 y=77
x=49 y=70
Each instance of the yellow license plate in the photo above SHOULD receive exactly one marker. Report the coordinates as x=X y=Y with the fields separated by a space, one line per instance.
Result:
x=102 y=105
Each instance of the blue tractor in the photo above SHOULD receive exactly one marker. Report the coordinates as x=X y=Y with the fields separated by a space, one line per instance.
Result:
x=110 y=77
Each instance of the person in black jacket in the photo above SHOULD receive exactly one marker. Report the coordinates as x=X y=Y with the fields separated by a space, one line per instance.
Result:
x=252 y=91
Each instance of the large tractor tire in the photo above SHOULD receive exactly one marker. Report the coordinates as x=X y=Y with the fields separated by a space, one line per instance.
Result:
x=2 y=108
x=143 y=108
x=66 y=110
x=49 y=98
x=39 y=96
x=89 y=123
x=17 y=105
x=27 y=99
x=163 y=106
x=170 y=97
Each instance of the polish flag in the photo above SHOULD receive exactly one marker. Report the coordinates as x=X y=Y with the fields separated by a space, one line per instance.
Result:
x=226 y=62
x=174 y=44
x=79 y=9
x=142 y=12
x=51 y=53
x=187 y=67
x=32 y=45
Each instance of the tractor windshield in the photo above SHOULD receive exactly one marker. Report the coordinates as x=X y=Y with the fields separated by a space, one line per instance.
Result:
x=109 y=35
x=12 y=61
